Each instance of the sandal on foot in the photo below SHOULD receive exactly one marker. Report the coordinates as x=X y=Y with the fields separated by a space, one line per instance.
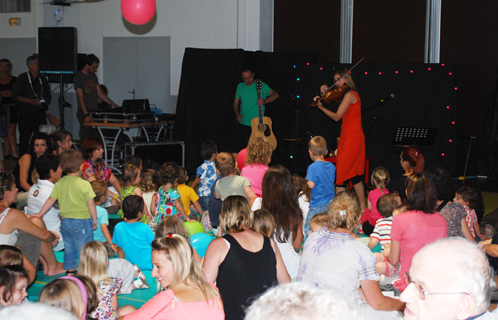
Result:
x=141 y=283
x=143 y=279
x=71 y=272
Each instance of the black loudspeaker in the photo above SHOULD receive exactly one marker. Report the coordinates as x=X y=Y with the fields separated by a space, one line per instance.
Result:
x=58 y=50
x=67 y=78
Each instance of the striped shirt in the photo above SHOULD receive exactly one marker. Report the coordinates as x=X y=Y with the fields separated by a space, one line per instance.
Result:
x=382 y=231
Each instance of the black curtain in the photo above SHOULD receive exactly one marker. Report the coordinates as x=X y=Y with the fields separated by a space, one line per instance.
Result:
x=491 y=134
x=207 y=91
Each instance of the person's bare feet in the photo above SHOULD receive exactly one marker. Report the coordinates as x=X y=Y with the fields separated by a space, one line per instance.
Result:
x=55 y=270
x=44 y=263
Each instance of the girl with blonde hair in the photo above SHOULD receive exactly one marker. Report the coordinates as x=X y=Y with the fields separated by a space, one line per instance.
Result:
x=94 y=264
x=67 y=294
x=185 y=292
x=380 y=179
x=259 y=152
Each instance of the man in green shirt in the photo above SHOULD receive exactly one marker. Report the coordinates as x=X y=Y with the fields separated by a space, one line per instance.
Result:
x=246 y=100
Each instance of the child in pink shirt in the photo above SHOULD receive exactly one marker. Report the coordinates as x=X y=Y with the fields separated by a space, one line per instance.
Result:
x=259 y=153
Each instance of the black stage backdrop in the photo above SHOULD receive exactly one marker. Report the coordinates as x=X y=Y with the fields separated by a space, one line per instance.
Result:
x=425 y=96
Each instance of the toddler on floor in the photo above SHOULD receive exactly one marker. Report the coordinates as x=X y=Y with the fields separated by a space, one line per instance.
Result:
x=133 y=238
x=468 y=197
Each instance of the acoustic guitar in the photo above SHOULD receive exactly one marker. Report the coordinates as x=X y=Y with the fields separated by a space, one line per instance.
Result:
x=261 y=126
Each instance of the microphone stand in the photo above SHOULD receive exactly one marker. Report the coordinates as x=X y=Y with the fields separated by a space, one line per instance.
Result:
x=297 y=127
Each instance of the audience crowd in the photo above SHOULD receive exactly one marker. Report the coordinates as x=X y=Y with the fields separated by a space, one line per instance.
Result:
x=286 y=247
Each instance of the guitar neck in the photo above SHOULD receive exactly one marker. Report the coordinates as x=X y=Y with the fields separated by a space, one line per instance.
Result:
x=260 y=108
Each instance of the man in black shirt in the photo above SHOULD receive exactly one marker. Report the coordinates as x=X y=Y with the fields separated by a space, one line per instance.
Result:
x=31 y=93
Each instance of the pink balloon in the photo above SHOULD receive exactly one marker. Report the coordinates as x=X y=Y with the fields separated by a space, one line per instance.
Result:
x=138 y=11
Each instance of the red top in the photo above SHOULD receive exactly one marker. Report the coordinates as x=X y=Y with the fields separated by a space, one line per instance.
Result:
x=351 y=148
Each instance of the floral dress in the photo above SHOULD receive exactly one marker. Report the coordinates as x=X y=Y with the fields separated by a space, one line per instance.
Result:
x=166 y=204
x=107 y=289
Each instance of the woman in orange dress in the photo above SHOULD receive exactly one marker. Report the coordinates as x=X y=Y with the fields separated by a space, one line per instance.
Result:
x=350 y=164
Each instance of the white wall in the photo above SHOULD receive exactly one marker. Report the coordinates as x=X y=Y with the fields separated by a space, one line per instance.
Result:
x=189 y=23
x=220 y=24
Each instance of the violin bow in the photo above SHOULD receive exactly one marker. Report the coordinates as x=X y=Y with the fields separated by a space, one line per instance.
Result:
x=357 y=63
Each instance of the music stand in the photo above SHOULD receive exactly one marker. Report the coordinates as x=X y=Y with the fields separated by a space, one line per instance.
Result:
x=405 y=136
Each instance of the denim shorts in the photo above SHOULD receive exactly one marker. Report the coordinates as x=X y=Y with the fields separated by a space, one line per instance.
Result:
x=204 y=202
x=76 y=232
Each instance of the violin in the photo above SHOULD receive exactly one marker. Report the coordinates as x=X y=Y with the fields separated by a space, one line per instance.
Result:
x=333 y=95
x=338 y=93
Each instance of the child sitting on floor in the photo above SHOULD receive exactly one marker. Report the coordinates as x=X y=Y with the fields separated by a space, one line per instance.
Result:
x=380 y=179
x=131 y=185
x=168 y=201
x=231 y=184
x=263 y=222
x=382 y=233
x=133 y=238
x=259 y=152
x=188 y=196
x=67 y=293
x=13 y=285
x=149 y=186
x=94 y=264
x=173 y=224
x=468 y=197
x=102 y=232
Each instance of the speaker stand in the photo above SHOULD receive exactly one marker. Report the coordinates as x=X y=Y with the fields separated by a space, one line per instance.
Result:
x=62 y=104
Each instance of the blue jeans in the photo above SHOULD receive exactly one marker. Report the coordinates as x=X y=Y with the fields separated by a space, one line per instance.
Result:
x=76 y=232
x=204 y=201
x=313 y=211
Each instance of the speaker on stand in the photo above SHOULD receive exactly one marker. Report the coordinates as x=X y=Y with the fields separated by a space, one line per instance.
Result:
x=58 y=56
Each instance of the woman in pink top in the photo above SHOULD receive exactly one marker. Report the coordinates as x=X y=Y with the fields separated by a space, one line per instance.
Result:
x=258 y=157
x=185 y=293
x=419 y=226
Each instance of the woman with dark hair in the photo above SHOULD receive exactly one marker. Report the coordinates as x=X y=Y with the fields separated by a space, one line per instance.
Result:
x=95 y=168
x=63 y=140
x=411 y=161
x=280 y=199
x=23 y=170
x=351 y=149
x=453 y=212
x=413 y=229
x=6 y=83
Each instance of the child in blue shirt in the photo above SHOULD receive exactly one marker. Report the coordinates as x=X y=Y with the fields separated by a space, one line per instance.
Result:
x=321 y=176
x=102 y=233
x=206 y=173
x=134 y=238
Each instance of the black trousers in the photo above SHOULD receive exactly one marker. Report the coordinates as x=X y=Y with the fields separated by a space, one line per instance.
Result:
x=29 y=123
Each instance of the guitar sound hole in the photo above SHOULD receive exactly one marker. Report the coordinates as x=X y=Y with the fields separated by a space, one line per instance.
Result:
x=264 y=129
